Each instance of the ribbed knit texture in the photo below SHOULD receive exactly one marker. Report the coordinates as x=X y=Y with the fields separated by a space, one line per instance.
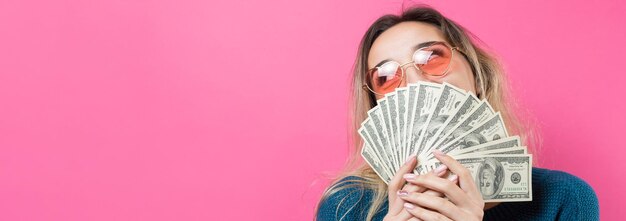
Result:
x=556 y=196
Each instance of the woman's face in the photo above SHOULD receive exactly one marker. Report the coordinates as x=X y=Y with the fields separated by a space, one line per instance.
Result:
x=396 y=43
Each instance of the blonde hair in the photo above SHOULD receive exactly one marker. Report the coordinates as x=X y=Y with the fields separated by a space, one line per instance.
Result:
x=489 y=83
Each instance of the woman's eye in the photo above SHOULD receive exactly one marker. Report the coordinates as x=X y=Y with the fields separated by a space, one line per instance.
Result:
x=437 y=52
x=384 y=79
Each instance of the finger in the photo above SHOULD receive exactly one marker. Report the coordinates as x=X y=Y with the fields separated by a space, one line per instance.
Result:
x=414 y=219
x=466 y=181
x=440 y=172
x=396 y=206
x=423 y=213
x=465 y=177
x=399 y=206
x=446 y=186
x=396 y=183
x=433 y=193
x=409 y=187
x=404 y=215
x=434 y=203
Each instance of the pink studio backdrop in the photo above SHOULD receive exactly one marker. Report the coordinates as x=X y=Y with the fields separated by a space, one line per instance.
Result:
x=232 y=110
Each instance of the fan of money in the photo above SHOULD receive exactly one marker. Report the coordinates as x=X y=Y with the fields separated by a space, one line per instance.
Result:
x=424 y=116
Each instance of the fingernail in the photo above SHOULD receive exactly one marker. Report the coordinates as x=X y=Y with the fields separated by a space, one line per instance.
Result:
x=440 y=169
x=453 y=177
x=408 y=206
x=409 y=176
x=403 y=193
x=408 y=159
x=438 y=152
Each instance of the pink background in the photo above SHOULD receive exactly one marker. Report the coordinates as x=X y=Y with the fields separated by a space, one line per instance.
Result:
x=232 y=110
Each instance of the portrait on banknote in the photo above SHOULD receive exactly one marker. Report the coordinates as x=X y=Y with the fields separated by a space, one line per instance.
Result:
x=490 y=175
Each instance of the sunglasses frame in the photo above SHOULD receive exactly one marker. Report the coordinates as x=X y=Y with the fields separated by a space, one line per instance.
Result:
x=402 y=66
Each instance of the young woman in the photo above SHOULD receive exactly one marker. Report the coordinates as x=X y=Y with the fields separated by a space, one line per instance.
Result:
x=359 y=194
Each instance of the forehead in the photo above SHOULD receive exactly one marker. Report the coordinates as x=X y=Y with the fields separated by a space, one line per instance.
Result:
x=396 y=43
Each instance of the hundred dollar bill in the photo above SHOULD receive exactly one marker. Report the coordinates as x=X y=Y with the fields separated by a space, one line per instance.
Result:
x=402 y=108
x=513 y=141
x=380 y=129
x=412 y=90
x=490 y=130
x=369 y=157
x=377 y=150
x=427 y=95
x=449 y=100
x=469 y=104
x=500 y=178
x=482 y=113
x=393 y=124
x=377 y=140
x=514 y=150
x=510 y=150
x=507 y=151
x=386 y=122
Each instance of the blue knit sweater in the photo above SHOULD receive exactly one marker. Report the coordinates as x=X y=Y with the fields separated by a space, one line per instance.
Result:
x=556 y=196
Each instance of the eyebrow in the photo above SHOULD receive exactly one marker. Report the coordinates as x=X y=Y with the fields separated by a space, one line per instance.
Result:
x=418 y=46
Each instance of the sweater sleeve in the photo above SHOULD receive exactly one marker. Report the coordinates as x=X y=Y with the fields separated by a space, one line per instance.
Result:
x=349 y=201
x=581 y=201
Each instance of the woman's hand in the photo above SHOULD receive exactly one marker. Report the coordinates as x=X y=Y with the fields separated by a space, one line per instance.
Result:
x=464 y=201
x=396 y=204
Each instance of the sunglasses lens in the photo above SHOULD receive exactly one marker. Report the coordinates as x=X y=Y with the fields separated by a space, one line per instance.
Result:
x=386 y=78
x=434 y=59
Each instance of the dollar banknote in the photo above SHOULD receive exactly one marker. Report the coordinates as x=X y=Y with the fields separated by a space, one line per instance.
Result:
x=448 y=102
x=421 y=117
x=508 y=142
x=401 y=119
x=470 y=104
x=500 y=178
x=426 y=96
x=490 y=130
